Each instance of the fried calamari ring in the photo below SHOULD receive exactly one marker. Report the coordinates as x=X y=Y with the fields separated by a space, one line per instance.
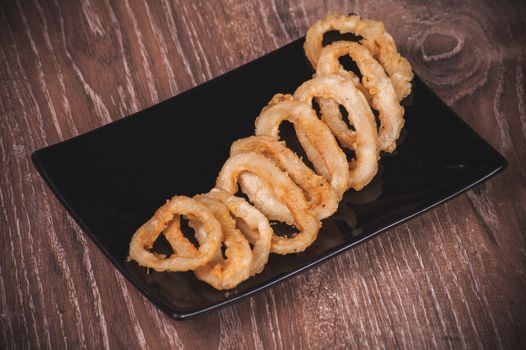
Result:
x=374 y=79
x=375 y=38
x=315 y=137
x=226 y=273
x=283 y=189
x=364 y=141
x=144 y=238
x=255 y=226
x=319 y=194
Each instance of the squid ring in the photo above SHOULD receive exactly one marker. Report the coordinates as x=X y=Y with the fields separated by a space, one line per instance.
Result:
x=255 y=226
x=364 y=141
x=144 y=238
x=315 y=137
x=375 y=38
x=319 y=194
x=379 y=86
x=283 y=189
x=226 y=273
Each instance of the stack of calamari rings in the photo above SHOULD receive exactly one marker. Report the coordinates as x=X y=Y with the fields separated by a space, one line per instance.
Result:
x=234 y=235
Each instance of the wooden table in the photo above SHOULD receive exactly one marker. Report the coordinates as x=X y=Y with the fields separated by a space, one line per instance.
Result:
x=452 y=278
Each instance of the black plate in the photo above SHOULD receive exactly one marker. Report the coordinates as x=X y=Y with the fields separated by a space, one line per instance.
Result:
x=112 y=179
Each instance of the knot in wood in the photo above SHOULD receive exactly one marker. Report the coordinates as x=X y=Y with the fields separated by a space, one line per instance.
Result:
x=441 y=44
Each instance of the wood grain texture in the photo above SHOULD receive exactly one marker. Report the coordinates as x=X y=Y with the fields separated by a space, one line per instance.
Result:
x=452 y=278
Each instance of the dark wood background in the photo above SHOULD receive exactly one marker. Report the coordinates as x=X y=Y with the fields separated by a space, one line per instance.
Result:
x=452 y=278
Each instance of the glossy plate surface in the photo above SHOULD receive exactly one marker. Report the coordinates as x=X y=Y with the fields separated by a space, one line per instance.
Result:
x=112 y=179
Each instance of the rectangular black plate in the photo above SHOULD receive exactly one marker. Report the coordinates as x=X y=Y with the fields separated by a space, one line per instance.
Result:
x=112 y=179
